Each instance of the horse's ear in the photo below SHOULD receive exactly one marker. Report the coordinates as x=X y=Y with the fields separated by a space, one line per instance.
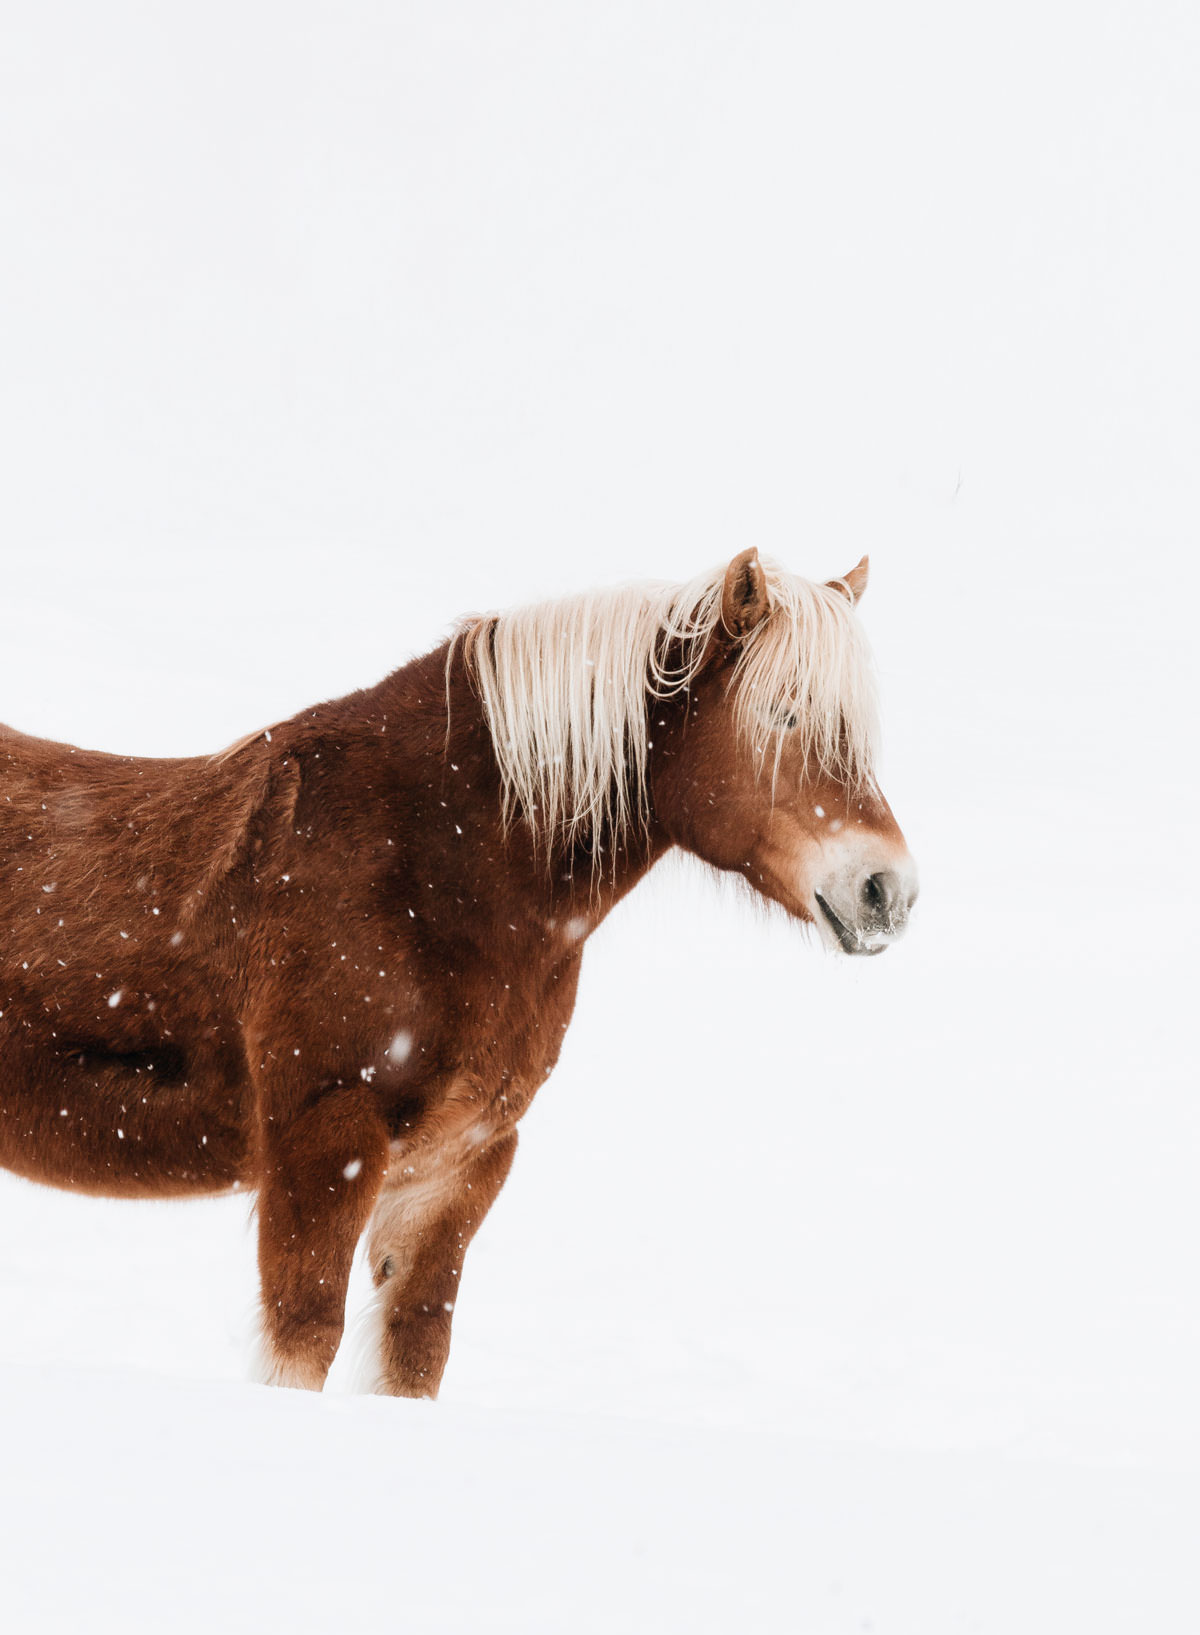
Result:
x=853 y=584
x=744 y=596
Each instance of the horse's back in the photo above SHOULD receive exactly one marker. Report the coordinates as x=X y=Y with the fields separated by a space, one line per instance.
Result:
x=108 y=862
x=68 y=813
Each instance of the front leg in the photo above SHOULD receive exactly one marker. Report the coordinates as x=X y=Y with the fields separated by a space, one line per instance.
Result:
x=418 y=1239
x=319 y=1177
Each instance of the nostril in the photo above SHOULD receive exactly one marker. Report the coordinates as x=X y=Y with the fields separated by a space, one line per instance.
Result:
x=880 y=892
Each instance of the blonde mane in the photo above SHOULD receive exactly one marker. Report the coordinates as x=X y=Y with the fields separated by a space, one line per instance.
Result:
x=566 y=687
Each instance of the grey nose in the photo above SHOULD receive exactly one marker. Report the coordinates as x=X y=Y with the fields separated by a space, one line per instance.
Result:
x=883 y=900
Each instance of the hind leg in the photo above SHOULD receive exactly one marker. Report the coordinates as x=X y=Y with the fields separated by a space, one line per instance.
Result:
x=418 y=1240
x=320 y=1176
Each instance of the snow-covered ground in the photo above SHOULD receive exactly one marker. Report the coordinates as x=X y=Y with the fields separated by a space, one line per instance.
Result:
x=320 y=326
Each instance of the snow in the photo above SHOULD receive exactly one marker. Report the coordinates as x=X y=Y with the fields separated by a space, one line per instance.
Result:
x=824 y=1296
x=430 y=1518
x=400 y=1048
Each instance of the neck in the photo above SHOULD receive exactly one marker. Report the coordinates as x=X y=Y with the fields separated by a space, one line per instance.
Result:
x=445 y=775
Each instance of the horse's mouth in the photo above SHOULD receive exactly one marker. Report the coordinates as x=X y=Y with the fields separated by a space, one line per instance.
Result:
x=848 y=941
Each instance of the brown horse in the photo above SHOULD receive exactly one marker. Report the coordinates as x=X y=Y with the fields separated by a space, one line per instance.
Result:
x=335 y=962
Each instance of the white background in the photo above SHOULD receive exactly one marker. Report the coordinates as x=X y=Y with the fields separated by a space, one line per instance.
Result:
x=825 y=1297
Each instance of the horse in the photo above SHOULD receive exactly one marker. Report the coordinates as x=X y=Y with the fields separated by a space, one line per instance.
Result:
x=333 y=963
